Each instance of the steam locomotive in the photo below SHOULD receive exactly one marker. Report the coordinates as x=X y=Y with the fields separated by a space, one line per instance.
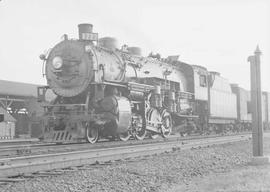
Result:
x=105 y=92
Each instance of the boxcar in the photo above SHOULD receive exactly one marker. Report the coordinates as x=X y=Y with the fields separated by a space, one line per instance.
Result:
x=243 y=105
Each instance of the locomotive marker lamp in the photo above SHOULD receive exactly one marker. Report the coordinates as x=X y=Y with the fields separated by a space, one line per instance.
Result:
x=256 y=108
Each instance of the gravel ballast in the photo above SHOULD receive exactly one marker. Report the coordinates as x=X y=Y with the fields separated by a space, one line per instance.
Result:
x=152 y=173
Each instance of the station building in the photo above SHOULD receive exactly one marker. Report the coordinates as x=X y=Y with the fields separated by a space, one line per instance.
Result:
x=18 y=104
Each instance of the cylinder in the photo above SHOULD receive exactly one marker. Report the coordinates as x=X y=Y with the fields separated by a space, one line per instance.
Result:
x=84 y=28
x=136 y=95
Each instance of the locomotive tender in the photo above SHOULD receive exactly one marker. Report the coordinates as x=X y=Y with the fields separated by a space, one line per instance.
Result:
x=106 y=92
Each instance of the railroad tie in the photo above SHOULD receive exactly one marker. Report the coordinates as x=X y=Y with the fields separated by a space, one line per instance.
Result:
x=11 y=180
x=49 y=173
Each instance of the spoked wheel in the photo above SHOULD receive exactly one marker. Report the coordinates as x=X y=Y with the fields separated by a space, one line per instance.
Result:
x=166 y=125
x=228 y=129
x=138 y=130
x=214 y=129
x=124 y=136
x=92 y=134
x=140 y=133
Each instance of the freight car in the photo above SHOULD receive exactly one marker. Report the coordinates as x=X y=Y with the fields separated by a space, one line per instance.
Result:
x=244 y=119
x=243 y=108
x=266 y=110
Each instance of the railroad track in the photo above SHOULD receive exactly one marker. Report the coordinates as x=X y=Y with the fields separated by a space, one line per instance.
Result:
x=15 y=166
x=41 y=148
x=16 y=142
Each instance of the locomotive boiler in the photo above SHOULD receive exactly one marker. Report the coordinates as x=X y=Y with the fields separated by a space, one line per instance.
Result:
x=107 y=92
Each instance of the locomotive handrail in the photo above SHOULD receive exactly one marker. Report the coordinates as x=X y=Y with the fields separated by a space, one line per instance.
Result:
x=63 y=105
x=190 y=116
x=140 y=87
x=186 y=92
x=118 y=84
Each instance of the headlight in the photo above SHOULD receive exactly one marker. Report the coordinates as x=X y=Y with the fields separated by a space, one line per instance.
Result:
x=57 y=62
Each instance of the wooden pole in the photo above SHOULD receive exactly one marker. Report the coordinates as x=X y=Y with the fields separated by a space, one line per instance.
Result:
x=256 y=103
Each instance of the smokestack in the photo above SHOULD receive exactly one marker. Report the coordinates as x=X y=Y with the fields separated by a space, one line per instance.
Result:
x=84 y=30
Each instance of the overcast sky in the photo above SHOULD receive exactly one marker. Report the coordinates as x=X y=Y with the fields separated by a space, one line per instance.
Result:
x=219 y=35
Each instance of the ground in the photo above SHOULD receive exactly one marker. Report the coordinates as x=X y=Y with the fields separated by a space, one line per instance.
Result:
x=242 y=178
x=217 y=168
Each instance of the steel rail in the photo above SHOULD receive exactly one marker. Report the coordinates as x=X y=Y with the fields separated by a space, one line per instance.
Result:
x=20 y=150
x=30 y=164
x=16 y=141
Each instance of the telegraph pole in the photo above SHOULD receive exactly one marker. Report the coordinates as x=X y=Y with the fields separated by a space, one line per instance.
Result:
x=256 y=105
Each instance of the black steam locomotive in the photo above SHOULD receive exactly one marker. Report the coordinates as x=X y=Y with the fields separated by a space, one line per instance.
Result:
x=114 y=93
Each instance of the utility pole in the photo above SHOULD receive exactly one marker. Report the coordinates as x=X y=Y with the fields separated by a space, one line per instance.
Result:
x=256 y=104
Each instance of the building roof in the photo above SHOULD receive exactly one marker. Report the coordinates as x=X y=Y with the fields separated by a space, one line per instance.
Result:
x=22 y=90
x=12 y=88
x=7 y=116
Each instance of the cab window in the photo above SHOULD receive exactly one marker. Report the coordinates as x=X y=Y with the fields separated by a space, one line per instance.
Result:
x=203 y=81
